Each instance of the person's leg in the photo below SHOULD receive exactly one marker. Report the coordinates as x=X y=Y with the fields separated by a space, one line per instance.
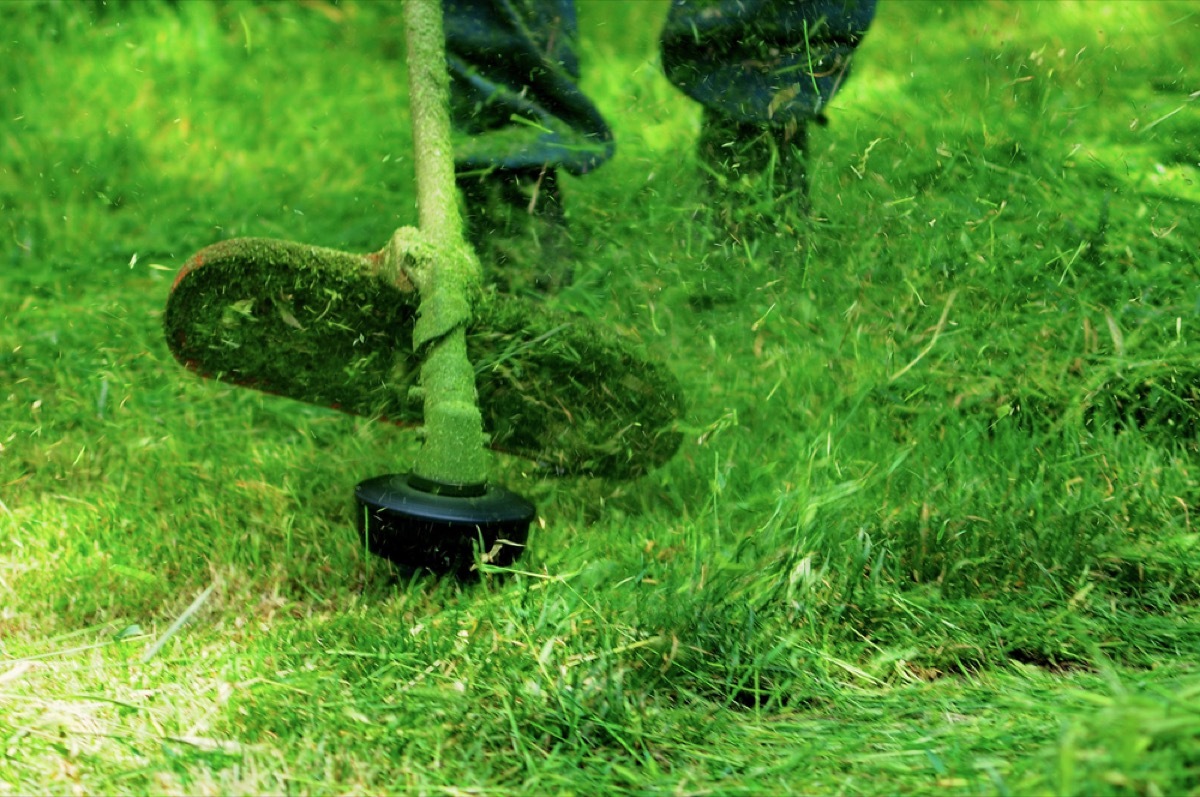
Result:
x=518 y=113
x=762 y=69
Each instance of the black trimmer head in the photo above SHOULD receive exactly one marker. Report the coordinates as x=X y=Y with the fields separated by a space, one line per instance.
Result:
x=420 y=525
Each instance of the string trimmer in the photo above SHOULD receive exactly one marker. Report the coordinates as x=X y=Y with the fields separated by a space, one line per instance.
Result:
x=406 y=334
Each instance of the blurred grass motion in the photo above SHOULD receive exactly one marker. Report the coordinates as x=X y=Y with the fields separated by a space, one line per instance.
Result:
x=930 y=531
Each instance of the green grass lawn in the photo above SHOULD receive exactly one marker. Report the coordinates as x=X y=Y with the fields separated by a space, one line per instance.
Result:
x=930 y=529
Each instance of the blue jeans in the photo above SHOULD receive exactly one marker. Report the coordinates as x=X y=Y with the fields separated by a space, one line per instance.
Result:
x=516 y=102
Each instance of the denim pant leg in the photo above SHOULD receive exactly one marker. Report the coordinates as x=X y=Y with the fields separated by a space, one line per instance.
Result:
x=515 y=98
x=764 y=62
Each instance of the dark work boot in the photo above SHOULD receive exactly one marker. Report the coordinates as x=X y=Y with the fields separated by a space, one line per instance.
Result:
x=515 y=221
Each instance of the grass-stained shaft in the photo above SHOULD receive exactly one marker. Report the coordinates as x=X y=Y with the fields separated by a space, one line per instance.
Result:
x=453 y=450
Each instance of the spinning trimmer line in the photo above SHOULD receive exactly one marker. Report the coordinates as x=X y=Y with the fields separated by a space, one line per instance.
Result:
x=406 y=334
